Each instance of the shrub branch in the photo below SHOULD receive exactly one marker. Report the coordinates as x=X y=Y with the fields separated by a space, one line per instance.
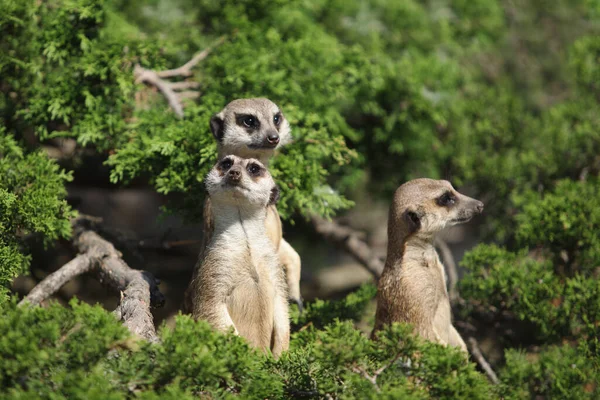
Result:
x=52 y=283
x=478 y=356
x=139 y=289
x=450 y=265
x=352 y=241
x=169 y=89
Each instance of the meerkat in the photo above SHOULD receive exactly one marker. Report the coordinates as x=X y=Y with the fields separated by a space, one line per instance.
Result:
x=239 y=283
x=412 y=287
x=254 y=128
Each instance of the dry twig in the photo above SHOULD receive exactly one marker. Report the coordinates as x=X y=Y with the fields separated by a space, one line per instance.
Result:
x=478 y=356
x=169 y=89
x=351 y=240
x=448 y=259
x=139 y=289
x=373 y=378
x=364 y=374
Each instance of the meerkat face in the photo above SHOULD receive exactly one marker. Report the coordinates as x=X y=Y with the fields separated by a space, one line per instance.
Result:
x=428 y=206
x=250 y=128
x=239 y=181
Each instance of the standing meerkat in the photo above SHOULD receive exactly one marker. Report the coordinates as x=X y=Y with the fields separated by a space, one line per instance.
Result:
x=239 y=283
x=412 y=287
x=255 y=128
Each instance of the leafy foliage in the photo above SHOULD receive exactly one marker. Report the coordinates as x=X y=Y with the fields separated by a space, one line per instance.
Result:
x=567 y=219
x=558 y=372
x=556 y=291
x=31 y=202
x=83 y=351
x=321 y=313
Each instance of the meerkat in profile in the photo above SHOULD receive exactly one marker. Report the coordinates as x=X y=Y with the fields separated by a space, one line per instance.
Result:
x=412 y=287
x=239 y=283
x=255 y=128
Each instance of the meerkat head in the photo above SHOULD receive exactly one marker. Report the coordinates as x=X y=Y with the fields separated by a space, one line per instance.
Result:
x=250 y=128
x=426 y=206
x=242 y=182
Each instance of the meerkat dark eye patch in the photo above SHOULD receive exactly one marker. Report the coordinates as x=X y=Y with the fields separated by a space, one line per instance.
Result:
x=277 y=118
x=254 y=169
x=226 y=164
x=446 y=200
x=247 y=121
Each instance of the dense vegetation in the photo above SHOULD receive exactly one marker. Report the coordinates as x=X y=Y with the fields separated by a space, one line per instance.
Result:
x=499 y=96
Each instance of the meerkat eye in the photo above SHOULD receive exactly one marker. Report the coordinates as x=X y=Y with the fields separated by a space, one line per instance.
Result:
x=254 y=169
x=447 y=199
x=249 y=121
x=226 y=164
x=277 y=119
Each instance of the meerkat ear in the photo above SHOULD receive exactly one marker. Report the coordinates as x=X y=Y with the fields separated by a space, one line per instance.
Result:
x=412 y=220
x=217 y=126
x=274 y=196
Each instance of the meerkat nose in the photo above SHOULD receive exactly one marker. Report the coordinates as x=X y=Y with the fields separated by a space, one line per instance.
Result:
x=273 y=137
x=479 y=207
x=234 y=175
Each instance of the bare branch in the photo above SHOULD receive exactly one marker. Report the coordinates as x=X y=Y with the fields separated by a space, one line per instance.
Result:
x=150 y=77
x=189 y=94
x=448 y=259
x=478 y=356
x=168 y=89
x=139 y=289
x=183 y=85
x=364 y=374
x=186 y=69
x=351 y=240
x=53 y=282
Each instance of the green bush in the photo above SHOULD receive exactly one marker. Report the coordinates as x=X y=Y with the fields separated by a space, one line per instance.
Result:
x=32 y=202
x=83 y=352
x=554 y=289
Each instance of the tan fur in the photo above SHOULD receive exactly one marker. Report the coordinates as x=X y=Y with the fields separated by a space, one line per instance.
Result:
x=239 y=283
x=412 y=287
x=234 y=138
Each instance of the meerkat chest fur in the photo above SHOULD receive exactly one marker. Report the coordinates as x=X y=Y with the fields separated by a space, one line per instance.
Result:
x=249 y=270
x=241 y=237
x=420 y=255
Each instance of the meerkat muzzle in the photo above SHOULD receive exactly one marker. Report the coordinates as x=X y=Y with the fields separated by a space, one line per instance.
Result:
x=479 y=207
x=273 y=138
x=234 y=176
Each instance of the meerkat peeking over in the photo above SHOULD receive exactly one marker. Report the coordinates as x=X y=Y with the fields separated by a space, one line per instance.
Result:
x=255 y=128
x=239 y=283
x=412 y=287
x=250 y=128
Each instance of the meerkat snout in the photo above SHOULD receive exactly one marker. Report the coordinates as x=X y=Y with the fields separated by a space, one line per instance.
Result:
x=273 y=138
x=234 y=175
x=250 y=128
